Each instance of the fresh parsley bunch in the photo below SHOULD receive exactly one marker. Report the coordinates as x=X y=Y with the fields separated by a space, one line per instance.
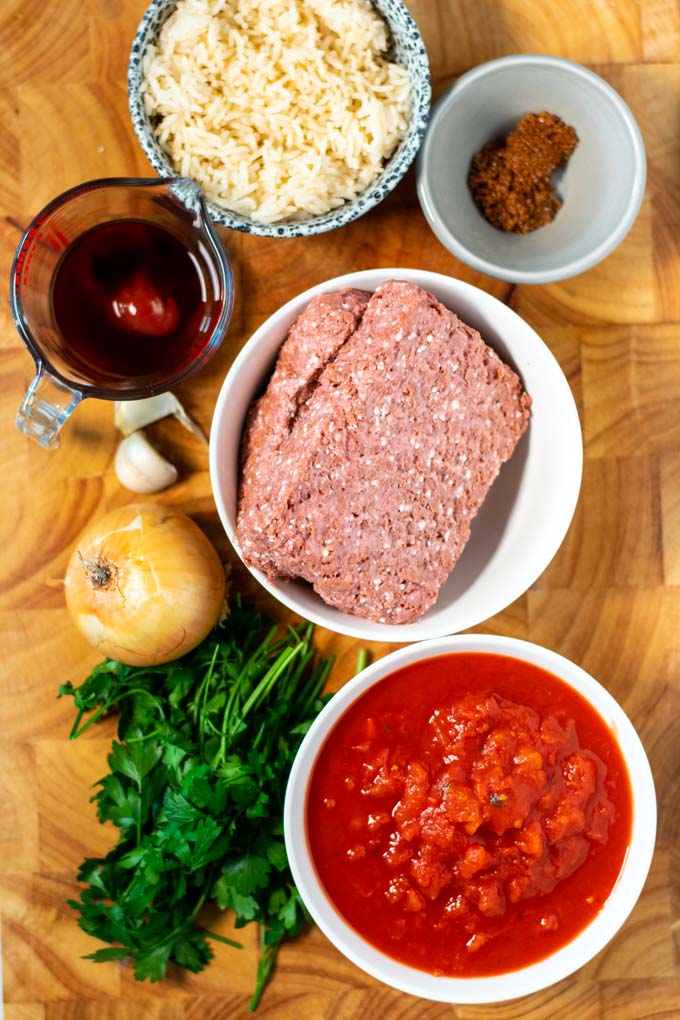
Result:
x=196 y=789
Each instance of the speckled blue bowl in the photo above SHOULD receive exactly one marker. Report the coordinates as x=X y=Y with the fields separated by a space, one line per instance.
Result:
x=408 y=49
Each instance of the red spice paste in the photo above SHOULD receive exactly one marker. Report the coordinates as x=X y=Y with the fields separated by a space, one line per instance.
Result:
x=510 y=179
x=469 y=815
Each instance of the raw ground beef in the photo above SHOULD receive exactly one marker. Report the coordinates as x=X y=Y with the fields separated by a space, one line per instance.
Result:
x=382 y=429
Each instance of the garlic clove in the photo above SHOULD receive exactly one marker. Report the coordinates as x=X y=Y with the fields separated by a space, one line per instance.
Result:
x=131 y=415
x=188 y=423
x=140 y=467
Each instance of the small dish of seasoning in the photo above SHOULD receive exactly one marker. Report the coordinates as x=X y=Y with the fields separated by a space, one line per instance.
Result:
x=532 y=169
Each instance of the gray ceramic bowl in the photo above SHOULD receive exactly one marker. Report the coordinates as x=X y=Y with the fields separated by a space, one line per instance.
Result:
x=601 y=185
x=408 y=49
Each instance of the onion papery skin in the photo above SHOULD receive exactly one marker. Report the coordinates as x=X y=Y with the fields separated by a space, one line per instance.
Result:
x=144 y=585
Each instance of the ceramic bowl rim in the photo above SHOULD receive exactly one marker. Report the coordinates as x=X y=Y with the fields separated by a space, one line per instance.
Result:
x=503 y=271
x=512 y=984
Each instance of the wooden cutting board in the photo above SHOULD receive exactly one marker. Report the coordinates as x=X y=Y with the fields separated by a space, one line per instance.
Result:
x=610 y=600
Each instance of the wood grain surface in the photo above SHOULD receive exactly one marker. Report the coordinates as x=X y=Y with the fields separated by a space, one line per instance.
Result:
x=610 y=600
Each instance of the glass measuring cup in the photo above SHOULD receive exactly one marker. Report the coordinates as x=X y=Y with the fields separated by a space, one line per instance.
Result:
x=64 y=374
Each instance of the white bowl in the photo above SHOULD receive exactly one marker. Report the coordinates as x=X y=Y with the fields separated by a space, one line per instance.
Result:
x=515 y=983
x=601 y=185
x=523 y=519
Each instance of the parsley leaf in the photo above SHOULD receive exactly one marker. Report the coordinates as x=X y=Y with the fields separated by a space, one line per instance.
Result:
x=247 y=874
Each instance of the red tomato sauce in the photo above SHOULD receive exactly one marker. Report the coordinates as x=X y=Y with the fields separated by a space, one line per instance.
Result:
x=469 y=815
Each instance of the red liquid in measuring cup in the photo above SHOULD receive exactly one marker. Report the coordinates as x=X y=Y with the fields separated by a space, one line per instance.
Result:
x=130 y=302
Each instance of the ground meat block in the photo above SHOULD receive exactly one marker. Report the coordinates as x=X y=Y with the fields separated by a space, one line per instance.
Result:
x=382 y=429
x=270 y=465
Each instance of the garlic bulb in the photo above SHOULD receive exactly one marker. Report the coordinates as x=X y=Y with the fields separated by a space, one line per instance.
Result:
x=140 y=467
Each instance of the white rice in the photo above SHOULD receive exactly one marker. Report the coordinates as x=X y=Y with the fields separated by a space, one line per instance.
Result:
x=278 y=108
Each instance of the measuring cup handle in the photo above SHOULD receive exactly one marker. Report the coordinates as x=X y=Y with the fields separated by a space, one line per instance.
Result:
x=45 y=408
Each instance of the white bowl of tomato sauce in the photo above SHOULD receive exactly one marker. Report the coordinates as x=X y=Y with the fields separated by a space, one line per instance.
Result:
x=471 y=819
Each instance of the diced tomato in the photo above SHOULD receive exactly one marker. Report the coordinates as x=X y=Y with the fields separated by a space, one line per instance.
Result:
x=397 y=888
x=476 y=858
x=580 y=777
x=601 y=817
x=528 y=758
x=398 y=852
x=380 y=778
x=568 y=855
x=476 y=941
x=461 y=805
x=430 y=871
x=413 y=901
x=531 y=839
x=457 y=906
x=414 y=797
x=438 y=830
x=488 y=897
x=549 y=922
x=566 y=820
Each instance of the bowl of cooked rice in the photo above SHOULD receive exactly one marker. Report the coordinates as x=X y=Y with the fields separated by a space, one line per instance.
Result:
x=294 y=116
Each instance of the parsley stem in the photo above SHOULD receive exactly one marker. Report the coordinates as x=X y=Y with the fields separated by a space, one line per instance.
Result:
x=143 y=736
x=75 y=732
x=362 y=660
x=270 y=678
x=233 y=694
x=203 y=687
x=265 y=966
x=259 y=693
x=107 y=705
x=314 y=687
x=221 y=938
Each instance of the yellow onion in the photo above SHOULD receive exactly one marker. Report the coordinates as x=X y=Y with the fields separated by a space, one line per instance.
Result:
x=144 y=584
